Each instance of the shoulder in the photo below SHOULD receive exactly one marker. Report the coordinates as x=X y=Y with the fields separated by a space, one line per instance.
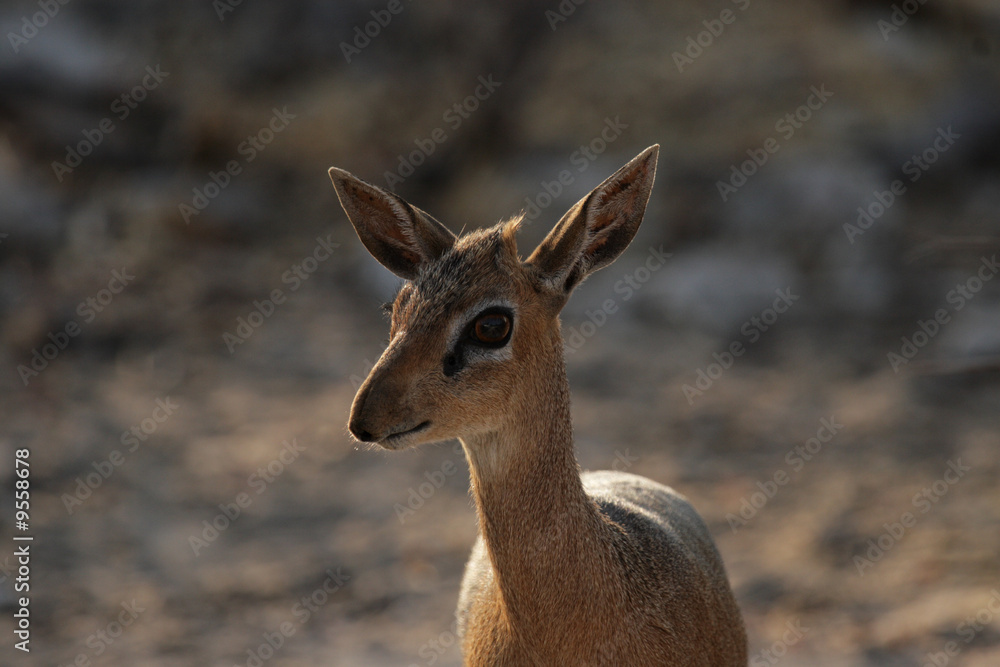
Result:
x=625 y=488
x=649 y=514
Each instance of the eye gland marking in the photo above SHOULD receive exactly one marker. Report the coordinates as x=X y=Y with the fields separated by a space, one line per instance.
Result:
x=452 y=363
x=490 y=329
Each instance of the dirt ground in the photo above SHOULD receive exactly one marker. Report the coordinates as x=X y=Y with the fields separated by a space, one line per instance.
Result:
x=195 y=496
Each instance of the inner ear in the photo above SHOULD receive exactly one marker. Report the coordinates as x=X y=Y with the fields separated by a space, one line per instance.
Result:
x=599 y=227
x=399 y=235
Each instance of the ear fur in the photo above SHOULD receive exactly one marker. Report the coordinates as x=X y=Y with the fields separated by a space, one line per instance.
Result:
x=400 y=236
x=598 y=228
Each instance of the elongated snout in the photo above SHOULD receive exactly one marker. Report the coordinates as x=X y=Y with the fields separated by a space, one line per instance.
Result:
x=357 y=424
x=386 y=407
x=363 y=423
x=376 y=407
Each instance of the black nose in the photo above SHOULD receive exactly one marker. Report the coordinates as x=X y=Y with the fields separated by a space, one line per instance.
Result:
x=359 y=432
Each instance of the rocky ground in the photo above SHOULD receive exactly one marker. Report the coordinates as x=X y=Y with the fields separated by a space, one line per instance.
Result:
x=185 y=313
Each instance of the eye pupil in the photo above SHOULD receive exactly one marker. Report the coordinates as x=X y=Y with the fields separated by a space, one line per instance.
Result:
x=492 y=328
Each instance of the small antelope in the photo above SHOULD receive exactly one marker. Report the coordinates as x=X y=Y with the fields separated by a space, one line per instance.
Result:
x=599 y=568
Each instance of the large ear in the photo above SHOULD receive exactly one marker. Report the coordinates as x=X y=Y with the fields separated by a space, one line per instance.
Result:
x=598 y=228
x=400 y=236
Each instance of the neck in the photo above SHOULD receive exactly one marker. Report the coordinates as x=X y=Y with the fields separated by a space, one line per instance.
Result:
x=540 y=529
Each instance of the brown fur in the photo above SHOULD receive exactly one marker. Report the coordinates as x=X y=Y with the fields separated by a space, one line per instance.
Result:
x=596 y=569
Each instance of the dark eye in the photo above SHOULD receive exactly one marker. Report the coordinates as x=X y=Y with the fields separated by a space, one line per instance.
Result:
x=491 y=329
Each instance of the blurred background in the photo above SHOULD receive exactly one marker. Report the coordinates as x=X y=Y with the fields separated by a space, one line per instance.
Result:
x=804 y=336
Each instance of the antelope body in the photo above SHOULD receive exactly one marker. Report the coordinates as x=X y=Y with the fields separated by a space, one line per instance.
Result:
x=603 y=568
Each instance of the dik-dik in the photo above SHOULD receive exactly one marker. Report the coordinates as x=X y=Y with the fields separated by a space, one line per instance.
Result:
x=599 y=568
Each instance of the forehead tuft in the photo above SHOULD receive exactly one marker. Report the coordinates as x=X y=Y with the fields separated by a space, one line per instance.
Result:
x=474 y=269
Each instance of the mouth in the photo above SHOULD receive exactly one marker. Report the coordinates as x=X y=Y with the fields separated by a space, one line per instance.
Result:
x=397 y=439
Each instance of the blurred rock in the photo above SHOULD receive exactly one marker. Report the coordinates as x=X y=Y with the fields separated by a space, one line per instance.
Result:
x=716 y=288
